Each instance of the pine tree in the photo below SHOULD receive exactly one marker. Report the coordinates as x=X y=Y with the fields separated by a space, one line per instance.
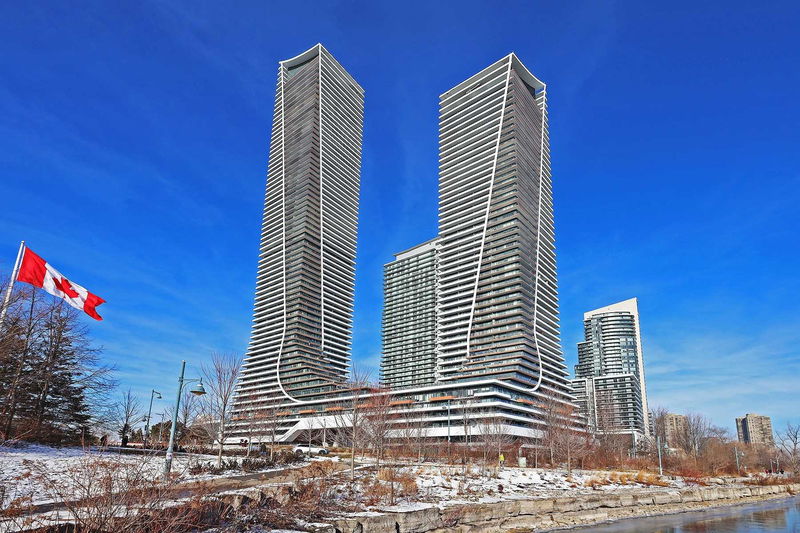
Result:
x=52 y=385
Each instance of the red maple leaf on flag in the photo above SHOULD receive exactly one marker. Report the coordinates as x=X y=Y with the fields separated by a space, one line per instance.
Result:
x=65 y=286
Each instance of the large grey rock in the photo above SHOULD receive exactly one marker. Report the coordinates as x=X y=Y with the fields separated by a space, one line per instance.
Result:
x=526 y=515
x=417 y=521
x=373 y=523
x=741 y=492
x=566 y=504
x=662 y=498
x=580 y=517
x=710 y=494
x=626 y=500
x=536 y=507
x=692 y=495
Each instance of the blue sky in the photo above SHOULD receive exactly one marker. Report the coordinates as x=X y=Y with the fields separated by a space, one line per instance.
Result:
x=134 y=138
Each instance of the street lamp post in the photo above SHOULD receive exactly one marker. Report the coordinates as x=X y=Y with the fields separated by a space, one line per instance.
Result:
x=199 y=391
x=161 y=427
x=658 y=446
x=153 y=393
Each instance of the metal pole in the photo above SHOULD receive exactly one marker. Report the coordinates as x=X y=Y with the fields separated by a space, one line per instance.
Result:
x=448 y=430
x=660 y=467
x=161 y=427
x=168 y=460
x=149 y=413
x=736 y=455
x=14 y=272
x=448 y=426
x=448 y=420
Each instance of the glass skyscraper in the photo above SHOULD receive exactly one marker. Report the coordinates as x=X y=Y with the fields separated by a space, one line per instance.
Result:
x=470 y=321
x=409 y=317
x=302 y=321
x=609 y=378
x=496 y=319
x=498 y=303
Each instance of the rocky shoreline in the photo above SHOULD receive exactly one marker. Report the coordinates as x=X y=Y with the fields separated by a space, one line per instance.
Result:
x=549 y=514
x=675 y=509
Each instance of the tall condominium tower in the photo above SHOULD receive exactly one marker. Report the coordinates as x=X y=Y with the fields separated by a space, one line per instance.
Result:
x=497 y=300
x=675 y=428
x=755 y=429
x=300 y=342
x=409 y=318
x=610 y=382
x=470 y=325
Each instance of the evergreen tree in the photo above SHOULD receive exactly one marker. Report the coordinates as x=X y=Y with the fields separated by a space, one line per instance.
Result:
x=52 y=385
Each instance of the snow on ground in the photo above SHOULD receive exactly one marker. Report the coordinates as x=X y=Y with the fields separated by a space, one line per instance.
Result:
x=442 y=483
x=41 y=474
x=27 y=470
x=446 y=483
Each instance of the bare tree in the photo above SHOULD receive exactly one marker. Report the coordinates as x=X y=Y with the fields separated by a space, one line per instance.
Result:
x=466 y=422
x=16 y=342
x=220 y=382
x=789 y=445
x=350 y=415
x=697 y=434
x=412 y=432
x=272 y=417
x=378 y=420
x=186 y=430
x=129 y=412
x=252 y=419
x=659 y=417
x=190 y=408
x=583 y=445
x=558 y=421
x=495 y=439
x=52 y=384
x=568 y=441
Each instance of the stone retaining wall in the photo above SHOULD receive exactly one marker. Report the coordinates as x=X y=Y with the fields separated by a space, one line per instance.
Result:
x=528 y=515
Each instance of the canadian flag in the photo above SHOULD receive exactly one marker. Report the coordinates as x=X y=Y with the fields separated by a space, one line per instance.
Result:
x=40 y=273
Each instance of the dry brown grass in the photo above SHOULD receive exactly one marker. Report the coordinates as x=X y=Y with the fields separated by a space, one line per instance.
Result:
x=763 y=480
x=595 y=482
x=692 y=476
x=104 y=494
x=650 y=480
x=626 y=478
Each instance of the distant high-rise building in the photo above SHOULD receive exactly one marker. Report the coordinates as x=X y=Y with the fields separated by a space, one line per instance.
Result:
x=409 y=318
x=609 y=382
x=675 y=427
x=755 y=429
x=302 y=321
x=610 y=403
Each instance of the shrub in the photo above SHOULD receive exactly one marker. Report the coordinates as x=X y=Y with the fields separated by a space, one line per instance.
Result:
x=692 y=476
x=101 y=494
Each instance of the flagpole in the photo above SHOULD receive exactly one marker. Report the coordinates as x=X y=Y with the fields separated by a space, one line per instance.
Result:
x=7 y=299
